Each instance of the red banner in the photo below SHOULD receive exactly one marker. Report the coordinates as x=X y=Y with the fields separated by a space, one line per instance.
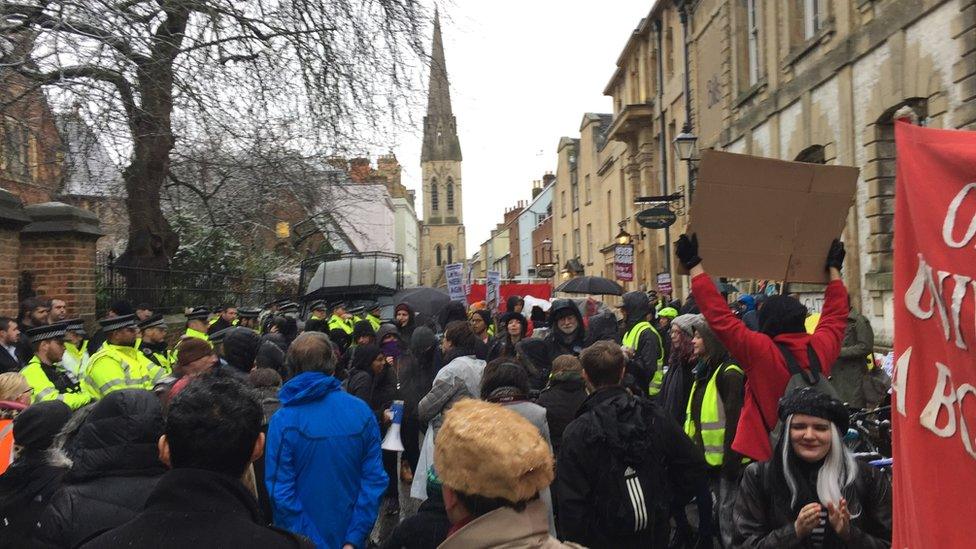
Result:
x=934 y=402
x=541 y=291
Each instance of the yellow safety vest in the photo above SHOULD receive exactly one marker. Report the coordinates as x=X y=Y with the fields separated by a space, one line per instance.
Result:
x=75 y=360
x=163 y=360
x=45 y=390
x=712 y=417
x=336 y=323
x=632 y=338
x=374 y=322
x=115 y=367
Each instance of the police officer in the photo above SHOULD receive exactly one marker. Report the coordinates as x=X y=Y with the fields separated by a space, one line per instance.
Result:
x=226 y=318
x=48 y=379
x=75 y=348
x=196 y=323
x=118 y=364
x=339 y=319
x=217 y=340
x=373 y=315
x=356 y=314
x=153 y=344
x=318 y=322
x=248 y=317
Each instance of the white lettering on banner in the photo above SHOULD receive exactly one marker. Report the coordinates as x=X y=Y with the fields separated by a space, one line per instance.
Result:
x=947 y=397
x=949 y=224
x=901 y=380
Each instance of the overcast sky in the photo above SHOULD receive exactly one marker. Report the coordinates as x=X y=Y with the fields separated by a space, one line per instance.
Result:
x=522 y=74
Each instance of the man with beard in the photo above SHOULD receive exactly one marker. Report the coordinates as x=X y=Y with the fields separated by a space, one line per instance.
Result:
x=33 y=313
x=44 y=372
x=118 y=364
x=567 y=335
x=154 y=342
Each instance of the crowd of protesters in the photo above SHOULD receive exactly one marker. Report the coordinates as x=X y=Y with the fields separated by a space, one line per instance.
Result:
x=703 y=424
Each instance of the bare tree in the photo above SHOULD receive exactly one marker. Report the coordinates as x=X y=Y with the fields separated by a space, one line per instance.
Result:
x=150 y=73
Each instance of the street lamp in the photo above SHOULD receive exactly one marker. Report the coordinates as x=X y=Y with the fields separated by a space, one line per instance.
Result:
x=686 y=145
x=623 y=237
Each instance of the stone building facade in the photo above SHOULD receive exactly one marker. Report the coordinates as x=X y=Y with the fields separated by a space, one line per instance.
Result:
x=810 y=80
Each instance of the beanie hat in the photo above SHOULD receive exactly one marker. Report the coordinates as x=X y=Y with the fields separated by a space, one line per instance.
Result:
x=484 y=314
x=362 y=328
x=811 y=402
x=403 y=307
x=36 y=427
x=241 y=347
x=190 y=349
x=689 y=323
x=491 y=451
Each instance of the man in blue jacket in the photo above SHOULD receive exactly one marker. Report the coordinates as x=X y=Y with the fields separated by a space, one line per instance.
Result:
x=324 y=466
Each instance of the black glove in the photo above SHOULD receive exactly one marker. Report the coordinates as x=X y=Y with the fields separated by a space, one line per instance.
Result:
x=835 y=257
x=687 y=250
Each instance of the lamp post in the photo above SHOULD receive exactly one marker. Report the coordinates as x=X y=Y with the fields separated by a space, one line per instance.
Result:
x=623 y=237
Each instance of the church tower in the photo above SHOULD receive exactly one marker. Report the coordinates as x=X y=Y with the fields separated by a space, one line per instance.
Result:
x=442 y=231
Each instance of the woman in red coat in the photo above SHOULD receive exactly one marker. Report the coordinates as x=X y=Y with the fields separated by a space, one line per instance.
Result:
x=781 y=322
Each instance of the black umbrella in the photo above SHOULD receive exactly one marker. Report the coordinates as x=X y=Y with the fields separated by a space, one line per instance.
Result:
x=423 y=300
x=595 y=285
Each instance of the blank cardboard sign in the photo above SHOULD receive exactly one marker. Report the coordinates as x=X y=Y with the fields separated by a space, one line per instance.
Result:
x=763 y=218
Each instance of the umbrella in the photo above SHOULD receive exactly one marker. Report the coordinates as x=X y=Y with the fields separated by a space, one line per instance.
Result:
x=596 y=285
x=423 y=300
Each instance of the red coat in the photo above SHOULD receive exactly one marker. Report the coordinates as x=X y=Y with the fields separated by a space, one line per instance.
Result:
x=765 y=368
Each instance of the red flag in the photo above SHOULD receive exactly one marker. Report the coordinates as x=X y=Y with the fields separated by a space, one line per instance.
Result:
x=934 y=402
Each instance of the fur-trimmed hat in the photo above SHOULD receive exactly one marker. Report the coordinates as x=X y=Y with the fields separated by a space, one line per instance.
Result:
x=488 y=450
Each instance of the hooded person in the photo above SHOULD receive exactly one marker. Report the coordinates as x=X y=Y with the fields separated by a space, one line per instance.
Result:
x=405 y=320
x=814 y=493
x=751 y=316
x=452 y=312
x=115 y=465
x=567 y=333
x=642 y=344
x=418 y=366
x=270 y=356
x=241 y=346
x=29 y=482
x=602 y=327
x=764 y=355
x=513 y=329
x=493 y=464
x=362 y=334
x=516 y=304
x=563 y=396
x=533 y=354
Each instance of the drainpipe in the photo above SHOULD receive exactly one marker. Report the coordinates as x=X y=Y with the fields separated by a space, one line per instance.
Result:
x=683 y=9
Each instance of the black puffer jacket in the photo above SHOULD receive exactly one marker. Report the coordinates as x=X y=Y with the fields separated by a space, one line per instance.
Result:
x=115 y=466
x=558 y=342
x=562 y=399
x=764 y=518
x=25 y=489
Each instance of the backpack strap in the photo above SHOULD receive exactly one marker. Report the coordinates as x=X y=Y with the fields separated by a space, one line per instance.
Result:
x=811 y=377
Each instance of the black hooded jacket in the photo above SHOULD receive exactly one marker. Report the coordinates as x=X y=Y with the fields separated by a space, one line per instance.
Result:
x=198 y=508
x=241 y=347
x=558 y=342
x=612 y=422
x=406 y=331
x=115 y=467
x=643 y=365
x=562 y=399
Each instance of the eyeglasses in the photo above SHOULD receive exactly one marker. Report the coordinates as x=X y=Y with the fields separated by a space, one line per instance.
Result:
x=28 y=391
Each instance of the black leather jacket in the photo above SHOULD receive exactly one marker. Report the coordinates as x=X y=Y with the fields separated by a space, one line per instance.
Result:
x=761 y=523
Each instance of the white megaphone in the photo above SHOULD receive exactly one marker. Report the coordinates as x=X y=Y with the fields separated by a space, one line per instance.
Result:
x=392 y=440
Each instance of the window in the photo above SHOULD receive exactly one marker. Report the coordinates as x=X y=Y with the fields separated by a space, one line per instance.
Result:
x=669 y=52
x=450 y=196
x=589 y=243
x=576 y=243
x=586 y=188
x=564 y=249
x=450 y=252
x=623 y=195
x=562 y=203
x=813 y=16
x=574 y=190
x=747 y=22
x=434 y=201
x=14 y=153
x=807 y=18
x=437 y=253
x=610 y=234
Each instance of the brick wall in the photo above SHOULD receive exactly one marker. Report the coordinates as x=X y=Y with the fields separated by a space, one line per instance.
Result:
x=9 y=250
x=63 y=266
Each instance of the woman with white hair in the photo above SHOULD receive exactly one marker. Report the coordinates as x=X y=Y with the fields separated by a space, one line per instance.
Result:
x=813 y=493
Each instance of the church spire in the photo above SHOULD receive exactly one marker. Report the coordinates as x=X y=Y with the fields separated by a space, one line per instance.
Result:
x=440 y=127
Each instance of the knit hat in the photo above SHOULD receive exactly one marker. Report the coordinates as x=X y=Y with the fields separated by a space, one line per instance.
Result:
x=403 y=307
x=488 y=450
x=688 y=323
x=36 y=427
x=362 y=328
x=782 y=315
x=811 y=402
x=191 y=349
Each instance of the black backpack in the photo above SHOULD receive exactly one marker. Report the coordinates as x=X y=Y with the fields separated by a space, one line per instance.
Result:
x=800 y=378
x=631 y=495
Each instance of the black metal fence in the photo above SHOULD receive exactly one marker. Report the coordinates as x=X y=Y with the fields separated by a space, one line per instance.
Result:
x=171 y=291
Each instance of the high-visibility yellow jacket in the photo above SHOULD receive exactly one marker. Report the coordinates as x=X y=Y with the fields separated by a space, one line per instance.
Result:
x=632 y=339
x=115 y=367
x=45 y=389
x=711 y=419
x=338 y=323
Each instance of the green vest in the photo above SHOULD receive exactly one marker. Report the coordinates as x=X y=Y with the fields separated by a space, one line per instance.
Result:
x=712 y=417
x=115 y=367
x=632 y=338
x=374 y=322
